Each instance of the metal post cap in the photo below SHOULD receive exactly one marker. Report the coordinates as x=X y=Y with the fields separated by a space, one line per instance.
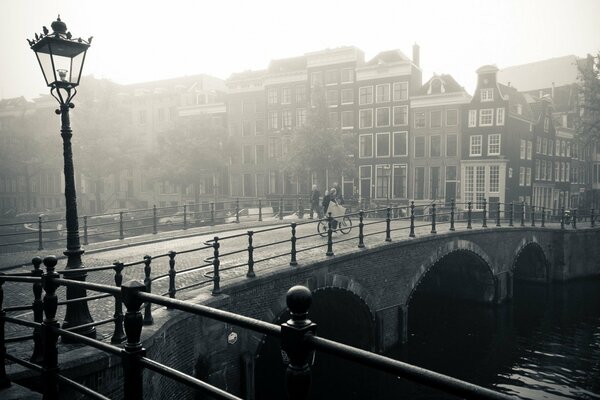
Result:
x=50 y=261
x=298 y=299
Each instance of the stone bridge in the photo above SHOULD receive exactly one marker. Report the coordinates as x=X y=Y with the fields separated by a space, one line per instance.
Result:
x=362 y=299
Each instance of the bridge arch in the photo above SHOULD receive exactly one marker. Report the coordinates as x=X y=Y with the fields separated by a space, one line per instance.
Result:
x=450 y=266
x=343 y=312
x=530 y=262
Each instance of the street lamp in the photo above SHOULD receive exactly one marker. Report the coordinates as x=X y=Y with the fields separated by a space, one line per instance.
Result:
x=61 y=59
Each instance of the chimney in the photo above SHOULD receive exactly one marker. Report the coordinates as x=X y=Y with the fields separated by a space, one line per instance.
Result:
x=416 y=58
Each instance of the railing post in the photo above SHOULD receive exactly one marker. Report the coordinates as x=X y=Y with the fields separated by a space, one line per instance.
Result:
x=484 y=215
x=361 y=226
x=280 y=208
x=250 y=273
x=412 y=219
x=172 y=274
x=4 y=381
x=433 y=218
x=212 y=213
x=259 y=210
x=133 y=372
x=237 y=211
x=300 y=208
x=562 y=218
x=118 y=334
x=40 y=239
x=121 y=236
x=522 y=213
x=216 y=262
x=85 y=231
x=329 y=236
x=298 y=374
x=498 y=215
x=388 y=230
x=592 y=218
x=532 y=215
x=184 y=216
x=511 y=213
x=38 y=311
x=543 y=217
x=452 y=205
x=49 y=335
x=148 y=319
x=469 y=214
x=574 y=216
x=154 y=220
x=293 y=261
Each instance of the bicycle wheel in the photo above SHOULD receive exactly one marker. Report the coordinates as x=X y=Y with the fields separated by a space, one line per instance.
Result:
x=345 y=225
x=322 y=228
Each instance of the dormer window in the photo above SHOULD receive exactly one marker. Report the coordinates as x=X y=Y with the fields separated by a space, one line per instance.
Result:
x=519 y=109
x=487 y=94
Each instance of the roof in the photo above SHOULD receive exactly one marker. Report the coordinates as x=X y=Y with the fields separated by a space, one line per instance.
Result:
x=487 y=69
x=247 y=75
x=287 y=64
x=560 y=71
x=389 y=56
x=516 y=98
x=448 y=82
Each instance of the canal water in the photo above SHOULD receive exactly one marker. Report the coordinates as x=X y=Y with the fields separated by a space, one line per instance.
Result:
x=545 y=344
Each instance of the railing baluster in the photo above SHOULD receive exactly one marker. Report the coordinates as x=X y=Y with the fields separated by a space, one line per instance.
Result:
x=250 y=273
x=184 y=216
x=329 y=252
x=293 y=261
x=469 y=214
x=298 y=374
x=154 y=220
x=562 y=218
x=38 y=312
x=543 y=217
x=216 y=262
x=40 y=238
x=85 y=230
x=532 y=215
x=148 y=319
x=412 y=219
x=121 y=236
x=281 y=208
x=212 y=213
x=388 y=231
x=484 y=214
x=300 y=208
x=511 y=213
x=4 y=381
x=361 y=226
x=452 y=205
x=433 y=218
x=522 y=213
x=237 y=211
x=498 y=214
x=574 y=216
x=172 y=274
x=259 y=210
x=118 y=334
x=133 y=372
x=592 y=218
x=49 y=335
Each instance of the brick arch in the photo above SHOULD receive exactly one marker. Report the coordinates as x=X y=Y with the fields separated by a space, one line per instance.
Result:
x=527 y=243
x=448 y=248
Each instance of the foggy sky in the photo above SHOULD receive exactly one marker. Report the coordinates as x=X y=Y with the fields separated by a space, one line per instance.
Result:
x=137 y=41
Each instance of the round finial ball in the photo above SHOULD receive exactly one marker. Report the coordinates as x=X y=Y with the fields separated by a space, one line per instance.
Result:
x=36 y=260
x=50 y=261
x=299 y=299
x=58 y=26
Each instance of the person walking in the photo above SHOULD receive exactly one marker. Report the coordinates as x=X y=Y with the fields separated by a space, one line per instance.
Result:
x=314 y=202
x=326 y=200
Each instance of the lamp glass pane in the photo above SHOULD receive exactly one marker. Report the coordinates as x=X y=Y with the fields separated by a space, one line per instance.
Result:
x=45 y=61
x=62 y=65
x=76 y=67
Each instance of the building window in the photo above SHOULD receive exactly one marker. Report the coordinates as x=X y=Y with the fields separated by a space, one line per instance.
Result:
x=452 y=117
x=300 y=94
x=487 y=94
x=365 y=95
x=494 y=179
x=538 y=145
x=334 y=120
x=347 y=119
x=519 y=109
x=300 y=116
x=486 y=117
x=399 y=182
x=451 y=146
x=521 y=176
x=543 y=170
x=382 y=117
x=382 y=93
x=260 y=153
x=472 y=118
x=286 y=119
x=545 y=146
x=529 y=149
x=272 y=96
x=435 y=119
x=469 y=183
x=567 y=166
x=557 y=148
x=400 y=144
x=331 y=77
x=479 y=186
x=528 y=177
x=546 y=124
x=419 y=192
x=273 y=120
x=436 y=146
x=400 y=115
x=494 y=145
x=247 y=128
x=537 y=169
x=434 y=182
x=400 y=91
x=142 y=117
x=248 y=154
x=347 y=75
x=316 y=78
x=475 y=145
x=274 y=147
x=365 y=119
x=382 y=145
x=286 y=95
x=500 y=116
x=332 y=97
x=347 y=96
x=556 y=171
x=419 y=120
x=419 y=146
x=365 y=145
x=523 y=149
x=259 y=127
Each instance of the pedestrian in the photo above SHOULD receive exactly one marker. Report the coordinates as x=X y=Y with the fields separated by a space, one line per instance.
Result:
x=314 y=202
x=338 y=194
x=326 y=200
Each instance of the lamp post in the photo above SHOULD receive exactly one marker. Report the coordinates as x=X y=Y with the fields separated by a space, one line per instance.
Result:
x=61 y=59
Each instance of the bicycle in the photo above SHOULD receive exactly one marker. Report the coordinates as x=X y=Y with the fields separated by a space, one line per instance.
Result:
x=343 y=225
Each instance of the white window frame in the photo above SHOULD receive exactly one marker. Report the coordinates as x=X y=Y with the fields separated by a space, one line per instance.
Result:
x=386 y=98
x=400 y=91
x=424 y=146
x=360 y=179
x=487 y=94
x=490 y=144
x=335 y=71
x=298 y=112
x=431 y=146
x=342 y=75
x=523 y=149
x=415 y=120
x=491 y=116
x=376 y=145
x=289 y=90
x=394 y=115
x=405 y=144
x=500 y=116
x=360 y=141
x=377 y=117
x=456 y=111
x=351 y=90
x=472 y=118
x=342 y=119
x=431 y=119
x=471 y=144
x=405 y=180
x=360 y=125
x=360 y=96
x=529 y=149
